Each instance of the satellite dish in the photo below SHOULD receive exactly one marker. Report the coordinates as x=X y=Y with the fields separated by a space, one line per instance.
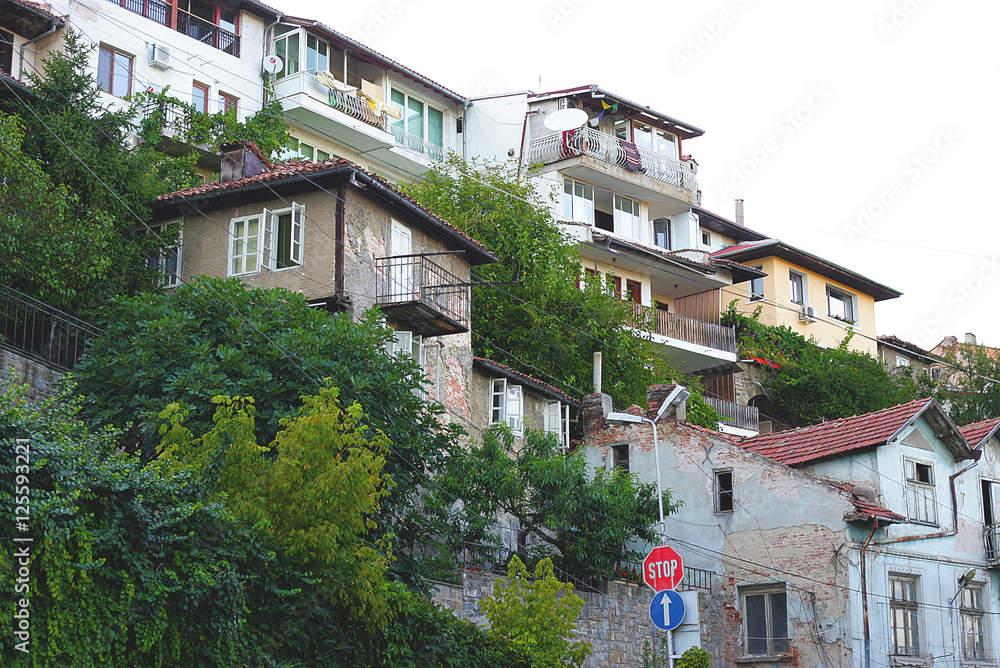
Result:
x=272 y=64
x=566 y=119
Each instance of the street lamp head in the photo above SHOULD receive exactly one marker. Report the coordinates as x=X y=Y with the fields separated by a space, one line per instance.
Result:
x=676 y=397
x=623 y=419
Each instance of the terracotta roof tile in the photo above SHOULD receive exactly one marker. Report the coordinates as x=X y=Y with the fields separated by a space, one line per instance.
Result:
x=294 y=168
x=977 y=432
x=43 y=8
x=864 y=506
x=538 y=384
x=806 y=444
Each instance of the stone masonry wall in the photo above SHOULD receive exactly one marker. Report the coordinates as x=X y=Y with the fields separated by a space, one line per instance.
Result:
x=40 y=379
x=615 y=623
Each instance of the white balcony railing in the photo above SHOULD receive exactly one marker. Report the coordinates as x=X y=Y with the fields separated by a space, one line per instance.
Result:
x=419 y=144
x=609 y=149
x=355 y=107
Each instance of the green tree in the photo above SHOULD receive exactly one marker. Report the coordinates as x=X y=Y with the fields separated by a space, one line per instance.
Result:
x=539 y=613
x=537 y=319
x=583 y=519
x=218 y=337
x=970 y=388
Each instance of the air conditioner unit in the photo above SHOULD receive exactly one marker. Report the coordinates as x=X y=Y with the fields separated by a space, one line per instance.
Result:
x=159 y=56
x=807 y=314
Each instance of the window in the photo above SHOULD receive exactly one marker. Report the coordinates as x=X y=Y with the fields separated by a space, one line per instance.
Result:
x=619 y=457
x=286 y=47
x=419 y=119
x=557 y=421
x=199 y=97
x=655 y=140
x=757 y=286
x=244 y=252
x=973 y=629
x=578 y=201
x=317 y=54
x=507 y=405
x=229 y=104
x=797 y=287
x=920 y=499
x=169 y=262
x=903 y=609
x=6 y=52
x=633 y=291
x=627 y=217
x=766 y=620
x=902 y=361
x=661 y=233
x=282 y=244
x=724 y=491
x=706 y=238
x=614 y=284
x=114 y=72
x=841 y=305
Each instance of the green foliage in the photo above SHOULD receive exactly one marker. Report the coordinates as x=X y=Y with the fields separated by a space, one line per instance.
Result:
x=656 y=655
x=969 y=391
x=583 y=520
x=694 y=657
x=218 y=337
x=125 y=557
x=814 y=383
x=264 y=128
x=537 y=613
x=542 y=324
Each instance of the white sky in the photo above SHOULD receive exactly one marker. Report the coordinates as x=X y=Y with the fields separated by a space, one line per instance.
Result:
x=813 y=112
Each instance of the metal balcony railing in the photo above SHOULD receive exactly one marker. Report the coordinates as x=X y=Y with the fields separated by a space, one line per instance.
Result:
x=991 y=535
x=155 y=10
x=355 y=107
x=432 y=151
x=694 y=578
x=736 y=415
x=421 y=292
x=176 y=119
x=38 y=331
x=609 y=149
x=686 y=329
x=207 y=32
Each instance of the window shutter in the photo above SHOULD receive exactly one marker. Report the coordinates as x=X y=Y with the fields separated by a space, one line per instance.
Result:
x=298 y=222
x=268 y=241
x=499 y=393
x=515 y=412
x=552 y=417
x=564 y=426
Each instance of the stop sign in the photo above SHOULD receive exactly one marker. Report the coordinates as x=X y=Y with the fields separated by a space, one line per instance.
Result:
x=663 y=568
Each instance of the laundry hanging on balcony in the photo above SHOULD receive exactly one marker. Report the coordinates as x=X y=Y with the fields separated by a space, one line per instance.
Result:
x=327 y=79
x=633 y=162
x=570 y=144
x=594 y=122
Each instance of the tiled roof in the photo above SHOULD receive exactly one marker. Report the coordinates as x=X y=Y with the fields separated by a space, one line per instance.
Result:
x=865 y=507
x=712 y=265
x=540 y=385
x=806 y=444
x=977 y=432
x=897 y=342
x=305 y=168
x=45 y=9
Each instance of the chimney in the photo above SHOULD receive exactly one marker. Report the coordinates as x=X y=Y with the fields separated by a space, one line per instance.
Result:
x=739 y=213
x=949 y=341
x=656 y=394
x=595 y=408
x=240 y=160
x=970 y=338
x=597 y=372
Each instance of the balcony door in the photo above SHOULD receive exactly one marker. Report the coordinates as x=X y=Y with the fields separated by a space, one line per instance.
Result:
x=401 y=261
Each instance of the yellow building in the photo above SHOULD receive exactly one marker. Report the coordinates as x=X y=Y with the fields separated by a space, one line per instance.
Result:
x=806 y=293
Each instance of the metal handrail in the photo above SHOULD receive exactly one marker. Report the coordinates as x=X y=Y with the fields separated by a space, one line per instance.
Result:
x=175 y=114
x=208 y=33
x=416 y=278
x=684 y=328
x=154 y=10
x=412 y=141
x=36 y=330
x=355 y=107
x=991 y=536
x=607 y=148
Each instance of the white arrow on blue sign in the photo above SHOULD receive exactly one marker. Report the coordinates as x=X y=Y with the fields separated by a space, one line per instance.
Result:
x=667 y=610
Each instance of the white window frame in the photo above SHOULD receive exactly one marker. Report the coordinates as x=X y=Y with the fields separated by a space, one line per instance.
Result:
x=902 y=360
x=752 y=294
x=272 y=231
x=921 y=496
x=319 y=57
x=662 y=228
x=974 y=622
x=775 y=644
x=849 y=300
x=245 y=248
x=579 y=207
x=286 y=62
x=404 y=122
x=904 y=616
x=557 y=421
x=706 y=238
x=507 y=405
x=627 y=223
x=802 y=283
x=170 y=279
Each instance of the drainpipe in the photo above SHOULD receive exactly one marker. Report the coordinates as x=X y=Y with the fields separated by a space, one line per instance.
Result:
x=437 y=380
x=263 y=74
x=20 y=62
x=954 y=509
x=338 y=242
x=864 y=595
x=465 y=129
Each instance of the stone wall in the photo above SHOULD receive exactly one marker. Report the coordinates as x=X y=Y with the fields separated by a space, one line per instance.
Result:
x=615 y=623
x=40 y=379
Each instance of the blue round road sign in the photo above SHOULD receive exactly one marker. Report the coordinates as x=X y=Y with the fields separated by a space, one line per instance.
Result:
x=667 y=610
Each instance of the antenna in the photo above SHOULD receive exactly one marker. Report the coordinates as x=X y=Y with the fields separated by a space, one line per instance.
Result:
x=272 y=64
x=566 y=119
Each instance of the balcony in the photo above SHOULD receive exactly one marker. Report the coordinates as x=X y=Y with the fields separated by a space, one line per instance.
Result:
x=193 y=26
x=579 y=148
x=355 y=107
x=176 y=129
x=991 y=537
x=419 y=144
x=415 y=290
x=693 y=345
x=736 y=416
x=36 y=330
